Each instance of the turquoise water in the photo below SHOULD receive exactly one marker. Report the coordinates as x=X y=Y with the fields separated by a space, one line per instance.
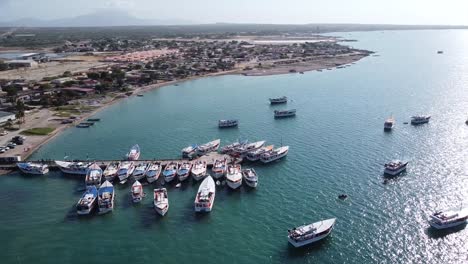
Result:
x=337 y=145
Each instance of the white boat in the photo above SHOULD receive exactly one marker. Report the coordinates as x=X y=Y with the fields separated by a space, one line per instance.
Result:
x=228 y=123
x=75 y=168
x=234 y=176
x=33 y=168
x=274 y=155
x=205 y=196
x=184 y=171
x=189 y=151
x=140 y=170
x=285 y=113
x=243 y=149
x=137 y=192
x=219 y=168
x=134 y=153
x=199 y=170
x=418 y=120
x=111 y=171
x=106 y=197
x=255 y=154
x=250 y=177
x=389 y=124
x=279 y=100
x=228 y=149
x=153 y=172
x=161 y=201
x=395 y=167
x=448 y=219
x=93 y=175
x=307 y=234
x=125 y=170
x=87 y=201
x=208 y=147
x=170 y=171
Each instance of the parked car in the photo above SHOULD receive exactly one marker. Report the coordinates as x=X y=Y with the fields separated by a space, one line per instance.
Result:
x=11 y=145
x=4 y=133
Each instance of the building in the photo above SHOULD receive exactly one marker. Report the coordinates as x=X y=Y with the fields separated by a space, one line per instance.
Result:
x=62 y=80
x=22 y=64
x=5 y=116
x=80 y=91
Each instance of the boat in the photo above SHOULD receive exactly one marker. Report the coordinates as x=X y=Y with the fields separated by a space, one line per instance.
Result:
x=208 y=147
x=75 y=168
x=255 y=154
x=279 y=100
x=134 y=153
x=170 y=172
x=219 y=168
x=199 y=170
x=205 y=196
x=125 y=170
x=395 y=167
x=250 y=177
x=87 y=201
x=274 y=155
x=33 y=168
x=466 y=122
x=307 y=234
x=234 y=176
x=228 y=149
x=189 y=151
x=137 y=192
x=184 y=170
x=418 y=120
x=83 y=125
x=449 y=218
x=94 y=119
x=93 y=175
x=228 y=123
x=285 y=113
x=389 y=124
x=111 y=171
x=106 y=197
x=153 y=172
x=243 y=149
x=161 y=202
x=440 y=52
x=140 y=170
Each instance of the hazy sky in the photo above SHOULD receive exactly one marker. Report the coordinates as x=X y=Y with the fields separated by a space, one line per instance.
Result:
x=448 y=12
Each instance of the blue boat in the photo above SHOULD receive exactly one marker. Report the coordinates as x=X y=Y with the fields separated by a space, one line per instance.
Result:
x=88 y=201
x=170 y=171
x=106 y=197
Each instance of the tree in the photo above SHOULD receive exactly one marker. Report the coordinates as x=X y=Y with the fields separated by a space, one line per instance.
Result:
x=93 y=75
x=67 y=74
x=45 y=86
x=20 y=111
x=3 y=66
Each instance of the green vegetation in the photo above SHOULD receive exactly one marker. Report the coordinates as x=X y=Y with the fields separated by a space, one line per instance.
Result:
x=38 y=131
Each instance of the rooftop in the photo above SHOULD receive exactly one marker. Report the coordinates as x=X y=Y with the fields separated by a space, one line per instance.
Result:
x=3 y=114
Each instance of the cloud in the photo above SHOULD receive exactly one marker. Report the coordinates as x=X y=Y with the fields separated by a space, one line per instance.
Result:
x=120 y=4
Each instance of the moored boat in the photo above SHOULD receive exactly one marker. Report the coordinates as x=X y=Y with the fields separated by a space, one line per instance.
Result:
x=137 y=192
x=208 y=147
x=275 y=154
x=228 y=149
x=93 y=175
x=33 y=168
x=234 y=176
x=389 y=123
x=153 y=172
x=250 y=177
x=228 y=123
x=219 y=168
x=87 y=201
x=106 y=197
x=205 y=196
x=256 y=154
x=134 y=153
x=111 y=171
x=184 y=171
x=279 y=100
x=140 y=170
x=285 y=113
x=189 y=151
x=170 y=171
x=395 y=167
x=243 y=149
x=418 y=120
x=125 y=170
x=161 y=201
x=199 y=170
x=75 y=168
x=307 y=234
x=449 y=218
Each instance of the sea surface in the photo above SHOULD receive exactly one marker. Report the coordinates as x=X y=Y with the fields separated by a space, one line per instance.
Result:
x=337 y=145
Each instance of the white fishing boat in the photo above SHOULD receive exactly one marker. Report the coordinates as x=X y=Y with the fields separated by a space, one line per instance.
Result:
x=255 y=154
x=208 y=147
x=75 y=168
x=170 y=171
x=395 y=167
x=184 y=170
x=161 y=201
x=228 y=123
x=199 y=170
x=389 y=124
x=189 y=151
x=153 y=172
x=134 y=153
x=243 y=149
x=137 y=192
x=33 y=168
x=106 y=197
x=219 y=168
x=285 y=113
x=279 y=100
x=275 y=154
x=87 y=201
x=111 y=171
x=418 y=120
x=234 y=176
x=140 y=170
x=449 y=218
x=125 y=170
x=307 y=234
x=93 y=175
x=250 y=177
x=205 y=196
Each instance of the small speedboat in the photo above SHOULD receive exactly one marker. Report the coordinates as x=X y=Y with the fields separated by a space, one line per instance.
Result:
x=285 y=113
x=74 y=168
x=279 y=100
x=274 y=155
x=219 y=168
x=418 y=120
x=250 y=177
x=140 y=170
x=137 y=192
x=33 y=168
x=199 y=170
x=389 y=124
x=106 y=197
x=184 y=171
x=228 y=123
x=134 y=153
x=208 y=147
x=448 y=219
x=87 y=201
x=234 y=176
x=153 y=172
x=93 y=175
x=395 y=167
x=170 y=172
x=161 y=201
x=189 y=151
x=205 y=196
x=307 y=234
x=111 y=171
x=256 y=154
x=125 y=170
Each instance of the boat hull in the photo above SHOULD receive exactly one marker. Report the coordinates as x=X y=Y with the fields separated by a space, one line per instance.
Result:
x=234 y=185
x=34 y=172
x=138 y=177
x=252 y=184
x=307 y=242
x=161 y=211
x=151 y=179
x=394 y=172
x=446 y=226
x=84 y=212
x=274 y=159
